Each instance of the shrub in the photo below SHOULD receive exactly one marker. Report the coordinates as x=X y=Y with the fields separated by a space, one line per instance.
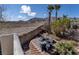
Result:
x=65 y=48
x=61 y=25
x=75 y=26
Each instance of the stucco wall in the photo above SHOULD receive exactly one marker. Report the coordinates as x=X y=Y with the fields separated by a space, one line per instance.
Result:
x=6 y=44
x=7 y=40
x=27 y=37
x=17 y=46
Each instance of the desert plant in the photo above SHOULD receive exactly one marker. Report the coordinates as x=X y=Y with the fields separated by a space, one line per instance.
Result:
x=75 y=26
x=61 y=25
x=65 y=48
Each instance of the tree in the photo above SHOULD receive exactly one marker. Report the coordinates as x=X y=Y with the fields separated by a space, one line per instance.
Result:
x=74 y=18
x=2 y=17
x=56 y=7
x=2 y=9
x=64 y=16
x=50 y=8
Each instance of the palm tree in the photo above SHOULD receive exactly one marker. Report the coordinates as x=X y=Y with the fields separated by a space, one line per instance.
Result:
x=50 y=8
x=56 y=7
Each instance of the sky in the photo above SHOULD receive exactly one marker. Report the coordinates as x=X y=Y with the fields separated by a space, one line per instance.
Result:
x=15 y=12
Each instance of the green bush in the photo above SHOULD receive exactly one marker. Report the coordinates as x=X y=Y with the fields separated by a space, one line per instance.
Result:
x=61 y=25
x=65 y=48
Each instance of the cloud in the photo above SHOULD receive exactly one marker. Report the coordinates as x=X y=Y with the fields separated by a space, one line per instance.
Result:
x=32 y=14
x=27 y=10
x=45 y=14
x=19 y=16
